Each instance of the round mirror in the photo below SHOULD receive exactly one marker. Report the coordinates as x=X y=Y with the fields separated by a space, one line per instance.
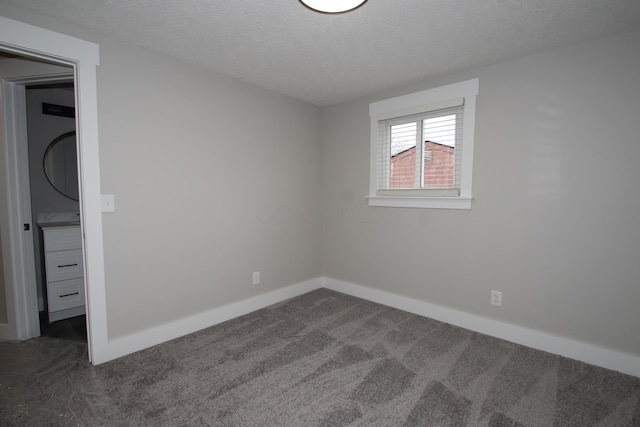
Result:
x=60 y=165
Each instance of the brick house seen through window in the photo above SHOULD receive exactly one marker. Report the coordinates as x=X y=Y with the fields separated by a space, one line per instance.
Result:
x=439 y=167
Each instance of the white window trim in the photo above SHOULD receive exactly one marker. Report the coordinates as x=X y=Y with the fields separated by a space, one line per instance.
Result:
x=413 y=103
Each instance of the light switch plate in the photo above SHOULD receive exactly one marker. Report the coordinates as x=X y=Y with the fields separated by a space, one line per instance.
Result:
x=108 y=203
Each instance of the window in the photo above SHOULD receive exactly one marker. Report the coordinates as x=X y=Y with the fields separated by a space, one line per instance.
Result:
x=422 y=148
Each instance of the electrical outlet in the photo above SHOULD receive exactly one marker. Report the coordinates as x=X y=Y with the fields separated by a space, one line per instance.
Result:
x=256 y=278
x=496 y=298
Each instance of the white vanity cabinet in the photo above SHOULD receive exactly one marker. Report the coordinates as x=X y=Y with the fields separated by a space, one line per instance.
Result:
x=64 y=272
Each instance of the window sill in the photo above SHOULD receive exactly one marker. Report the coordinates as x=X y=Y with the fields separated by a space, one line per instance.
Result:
x=421 y=202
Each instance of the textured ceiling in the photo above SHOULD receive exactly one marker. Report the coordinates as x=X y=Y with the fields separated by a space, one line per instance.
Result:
x=325 y=59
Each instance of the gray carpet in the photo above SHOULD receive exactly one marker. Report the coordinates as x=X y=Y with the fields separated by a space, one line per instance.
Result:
x=321 y=359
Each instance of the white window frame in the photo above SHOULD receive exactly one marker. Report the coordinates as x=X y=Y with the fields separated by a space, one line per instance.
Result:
x=420 y=102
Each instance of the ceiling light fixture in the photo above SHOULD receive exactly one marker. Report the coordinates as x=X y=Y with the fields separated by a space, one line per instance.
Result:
x=333 y=6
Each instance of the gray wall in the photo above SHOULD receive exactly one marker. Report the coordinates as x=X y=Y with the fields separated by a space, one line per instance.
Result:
x=554 y=225
x=198 y=164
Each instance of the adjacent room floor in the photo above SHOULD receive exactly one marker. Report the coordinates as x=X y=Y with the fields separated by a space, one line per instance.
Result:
x=73 y=329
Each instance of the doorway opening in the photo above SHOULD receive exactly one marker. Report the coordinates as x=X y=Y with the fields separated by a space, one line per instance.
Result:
x=21 y=316
x=55 y=208
x=44 y=114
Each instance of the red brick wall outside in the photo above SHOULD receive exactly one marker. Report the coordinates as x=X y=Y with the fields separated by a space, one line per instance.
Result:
x=439 y=167
x=403 y=169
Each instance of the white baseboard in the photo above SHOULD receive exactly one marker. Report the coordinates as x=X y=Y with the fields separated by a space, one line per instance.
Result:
x=576 y=350
x=131 y=343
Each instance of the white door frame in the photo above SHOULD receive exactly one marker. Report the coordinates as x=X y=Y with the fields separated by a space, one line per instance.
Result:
x=22 y=304
x=28 y=40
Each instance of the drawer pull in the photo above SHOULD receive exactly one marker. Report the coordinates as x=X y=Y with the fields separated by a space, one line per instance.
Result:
x=69 y=295
x=68 y=265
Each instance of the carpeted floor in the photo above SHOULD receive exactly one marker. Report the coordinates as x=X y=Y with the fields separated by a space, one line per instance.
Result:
x=321 y=359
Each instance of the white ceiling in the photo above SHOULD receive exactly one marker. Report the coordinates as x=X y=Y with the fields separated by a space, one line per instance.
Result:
x=325 y=59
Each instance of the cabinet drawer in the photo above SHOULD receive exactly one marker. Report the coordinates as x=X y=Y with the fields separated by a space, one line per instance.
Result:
x=65 y=294
x=64 y=265
x=62 y=239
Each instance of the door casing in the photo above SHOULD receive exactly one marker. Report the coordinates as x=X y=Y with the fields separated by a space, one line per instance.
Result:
x=27 y=40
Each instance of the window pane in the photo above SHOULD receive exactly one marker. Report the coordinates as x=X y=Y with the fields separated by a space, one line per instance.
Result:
x=403 y=155
x=439 y=160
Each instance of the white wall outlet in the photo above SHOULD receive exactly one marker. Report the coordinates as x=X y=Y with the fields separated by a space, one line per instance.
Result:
x=496 y=298
x=256 y=278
